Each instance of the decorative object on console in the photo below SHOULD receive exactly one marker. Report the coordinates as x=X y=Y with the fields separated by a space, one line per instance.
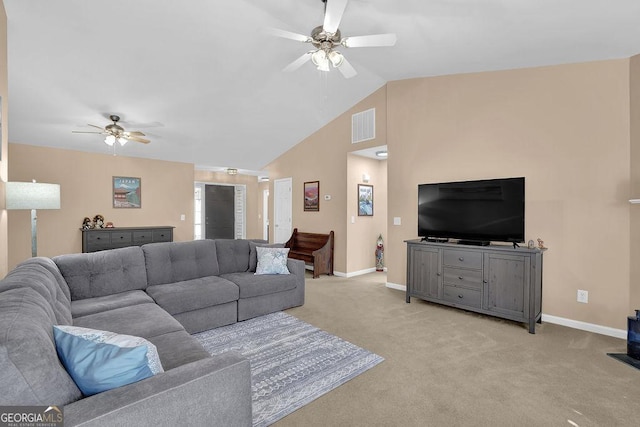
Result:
x=531 y=244
x=98 y=221
x=541 y=244
x=109 y=224
x=127 y=192
x=380 y=254
x=86 y=223
x=312 y=196
x=365 y=200
x=32 y=196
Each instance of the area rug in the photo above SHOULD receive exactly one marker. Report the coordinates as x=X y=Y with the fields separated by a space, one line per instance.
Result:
x=292 y=362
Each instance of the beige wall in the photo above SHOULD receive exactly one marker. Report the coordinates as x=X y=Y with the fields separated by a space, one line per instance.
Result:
x=634 y=83
x=4 y=155
x=363 y=234
x=254 y=196
x=323 y=157
x=86 y=187
x=566 y=129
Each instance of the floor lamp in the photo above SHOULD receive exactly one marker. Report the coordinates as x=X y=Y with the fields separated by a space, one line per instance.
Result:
x=32 y=195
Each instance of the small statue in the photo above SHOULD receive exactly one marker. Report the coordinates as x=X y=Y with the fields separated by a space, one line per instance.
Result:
x=541 y=244
x=98 y=221
x=380 y=254
x=86 y=224
x=109 y=224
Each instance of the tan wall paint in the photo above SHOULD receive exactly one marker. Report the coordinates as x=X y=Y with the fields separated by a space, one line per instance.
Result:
x=254 y=197
x=634 y=84
x=86 y=187
x=4 y=155
x=363 y=234
x=323 y=157
x=566 y=129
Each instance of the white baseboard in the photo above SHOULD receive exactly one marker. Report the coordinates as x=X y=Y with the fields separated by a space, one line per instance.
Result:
x=575 y=324
x=397 y=287
x=584 y=326
x=356 y=273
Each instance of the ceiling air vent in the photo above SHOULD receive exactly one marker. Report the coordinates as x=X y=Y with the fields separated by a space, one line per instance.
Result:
x=363 y=126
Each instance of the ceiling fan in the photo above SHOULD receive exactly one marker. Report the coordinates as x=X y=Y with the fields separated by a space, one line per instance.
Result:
x=115 y=132
x=327 y=37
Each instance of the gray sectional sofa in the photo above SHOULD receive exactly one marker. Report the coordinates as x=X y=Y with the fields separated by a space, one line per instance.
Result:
x=162 y=292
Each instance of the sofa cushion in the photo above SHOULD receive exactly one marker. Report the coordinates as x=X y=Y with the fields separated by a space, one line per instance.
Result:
x=84 y=307
x=253 y=253
x=100 y=360
x=43 y=276
x=178 y=348
x=171 y=262
x=193 y=294
x=233 y=255
x=103 y=273
x=141 y=320
x=252 y=286
x=31 y=372
x=272 y=261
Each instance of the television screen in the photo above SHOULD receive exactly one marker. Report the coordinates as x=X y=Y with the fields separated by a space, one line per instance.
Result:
x=485 y=210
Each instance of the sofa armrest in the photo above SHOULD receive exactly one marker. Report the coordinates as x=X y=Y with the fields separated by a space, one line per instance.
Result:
x=297 y=268
x=211 y=391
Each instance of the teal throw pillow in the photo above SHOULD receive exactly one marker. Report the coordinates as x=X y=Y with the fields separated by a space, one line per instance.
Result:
x=272 y=260
x=100 y=360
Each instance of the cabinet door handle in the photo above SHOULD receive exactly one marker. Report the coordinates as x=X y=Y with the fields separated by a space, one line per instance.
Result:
x=460 y=277
x=460 y=296
x=461 y=259
x=439 y=274
x=122 y=237
x=484 y=281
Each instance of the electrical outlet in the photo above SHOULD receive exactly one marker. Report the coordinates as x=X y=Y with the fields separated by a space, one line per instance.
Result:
x=583 y=296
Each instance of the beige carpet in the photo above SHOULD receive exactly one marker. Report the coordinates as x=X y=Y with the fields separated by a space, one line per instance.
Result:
x=447 y=367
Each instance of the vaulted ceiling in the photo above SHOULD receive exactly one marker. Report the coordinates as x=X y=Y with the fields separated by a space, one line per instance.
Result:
x=203 y=79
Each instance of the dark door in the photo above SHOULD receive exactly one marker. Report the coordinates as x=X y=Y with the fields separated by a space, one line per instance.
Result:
x=219 y=211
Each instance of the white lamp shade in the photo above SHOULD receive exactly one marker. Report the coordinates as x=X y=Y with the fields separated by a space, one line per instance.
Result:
x=32 y=195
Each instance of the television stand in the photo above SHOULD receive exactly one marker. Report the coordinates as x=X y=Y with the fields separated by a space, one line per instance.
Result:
x=474 y=242
x=434 y=239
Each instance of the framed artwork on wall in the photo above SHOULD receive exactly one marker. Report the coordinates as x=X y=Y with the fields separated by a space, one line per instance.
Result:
x=365 y=200
x=312 y=196
x=127 y=192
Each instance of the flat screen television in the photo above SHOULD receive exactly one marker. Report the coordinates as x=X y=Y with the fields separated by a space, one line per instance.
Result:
x=475 y=212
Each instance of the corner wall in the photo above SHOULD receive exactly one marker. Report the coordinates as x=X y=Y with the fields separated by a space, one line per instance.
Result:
x=634 y=84
x=86 y=190
x=4 y=155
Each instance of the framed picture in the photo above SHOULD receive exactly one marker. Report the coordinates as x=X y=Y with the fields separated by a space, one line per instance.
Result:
x=365 y=200
x=127 y=192
x=312 y=196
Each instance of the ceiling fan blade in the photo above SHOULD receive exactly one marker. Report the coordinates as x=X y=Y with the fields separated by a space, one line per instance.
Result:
x=289 y=35
x=347 y=69
x=297 y=63
x=333 y=14
x=134 y=133
x=99 y=127
x=138 y=139
x=370 y=41
x=85 y=131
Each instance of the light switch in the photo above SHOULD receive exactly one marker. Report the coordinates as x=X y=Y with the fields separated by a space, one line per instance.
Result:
x=397 y=220
x=353 y=219
x=327 y=197
x=183 y=217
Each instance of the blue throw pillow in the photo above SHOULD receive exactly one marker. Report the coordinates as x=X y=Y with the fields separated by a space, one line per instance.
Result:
x=99 y=360
x=272 y=260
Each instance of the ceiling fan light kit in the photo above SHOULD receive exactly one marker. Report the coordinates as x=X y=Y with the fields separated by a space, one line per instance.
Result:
x=327 y=37
x=114 y=132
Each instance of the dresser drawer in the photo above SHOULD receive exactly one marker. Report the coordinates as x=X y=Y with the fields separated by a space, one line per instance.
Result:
x=99 y=238
x=462 y=296
x=462 y=258
x=142 y=237
x=120 y=238
x=163 y=235
x=463 y=277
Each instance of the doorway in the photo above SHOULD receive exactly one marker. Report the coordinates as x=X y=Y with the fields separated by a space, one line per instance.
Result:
x=219 y=211
x=282 y=200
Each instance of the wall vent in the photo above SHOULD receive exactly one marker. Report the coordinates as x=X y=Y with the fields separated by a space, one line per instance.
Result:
x=363 y=126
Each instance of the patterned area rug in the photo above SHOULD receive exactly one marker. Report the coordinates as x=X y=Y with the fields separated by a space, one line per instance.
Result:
x=292 y=362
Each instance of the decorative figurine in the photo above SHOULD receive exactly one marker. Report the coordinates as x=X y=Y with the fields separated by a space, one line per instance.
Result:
x=541 y=244
x=86 y=224
x=98 y=221
x=531 y=244
x=380 y=254
x=108 y=225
